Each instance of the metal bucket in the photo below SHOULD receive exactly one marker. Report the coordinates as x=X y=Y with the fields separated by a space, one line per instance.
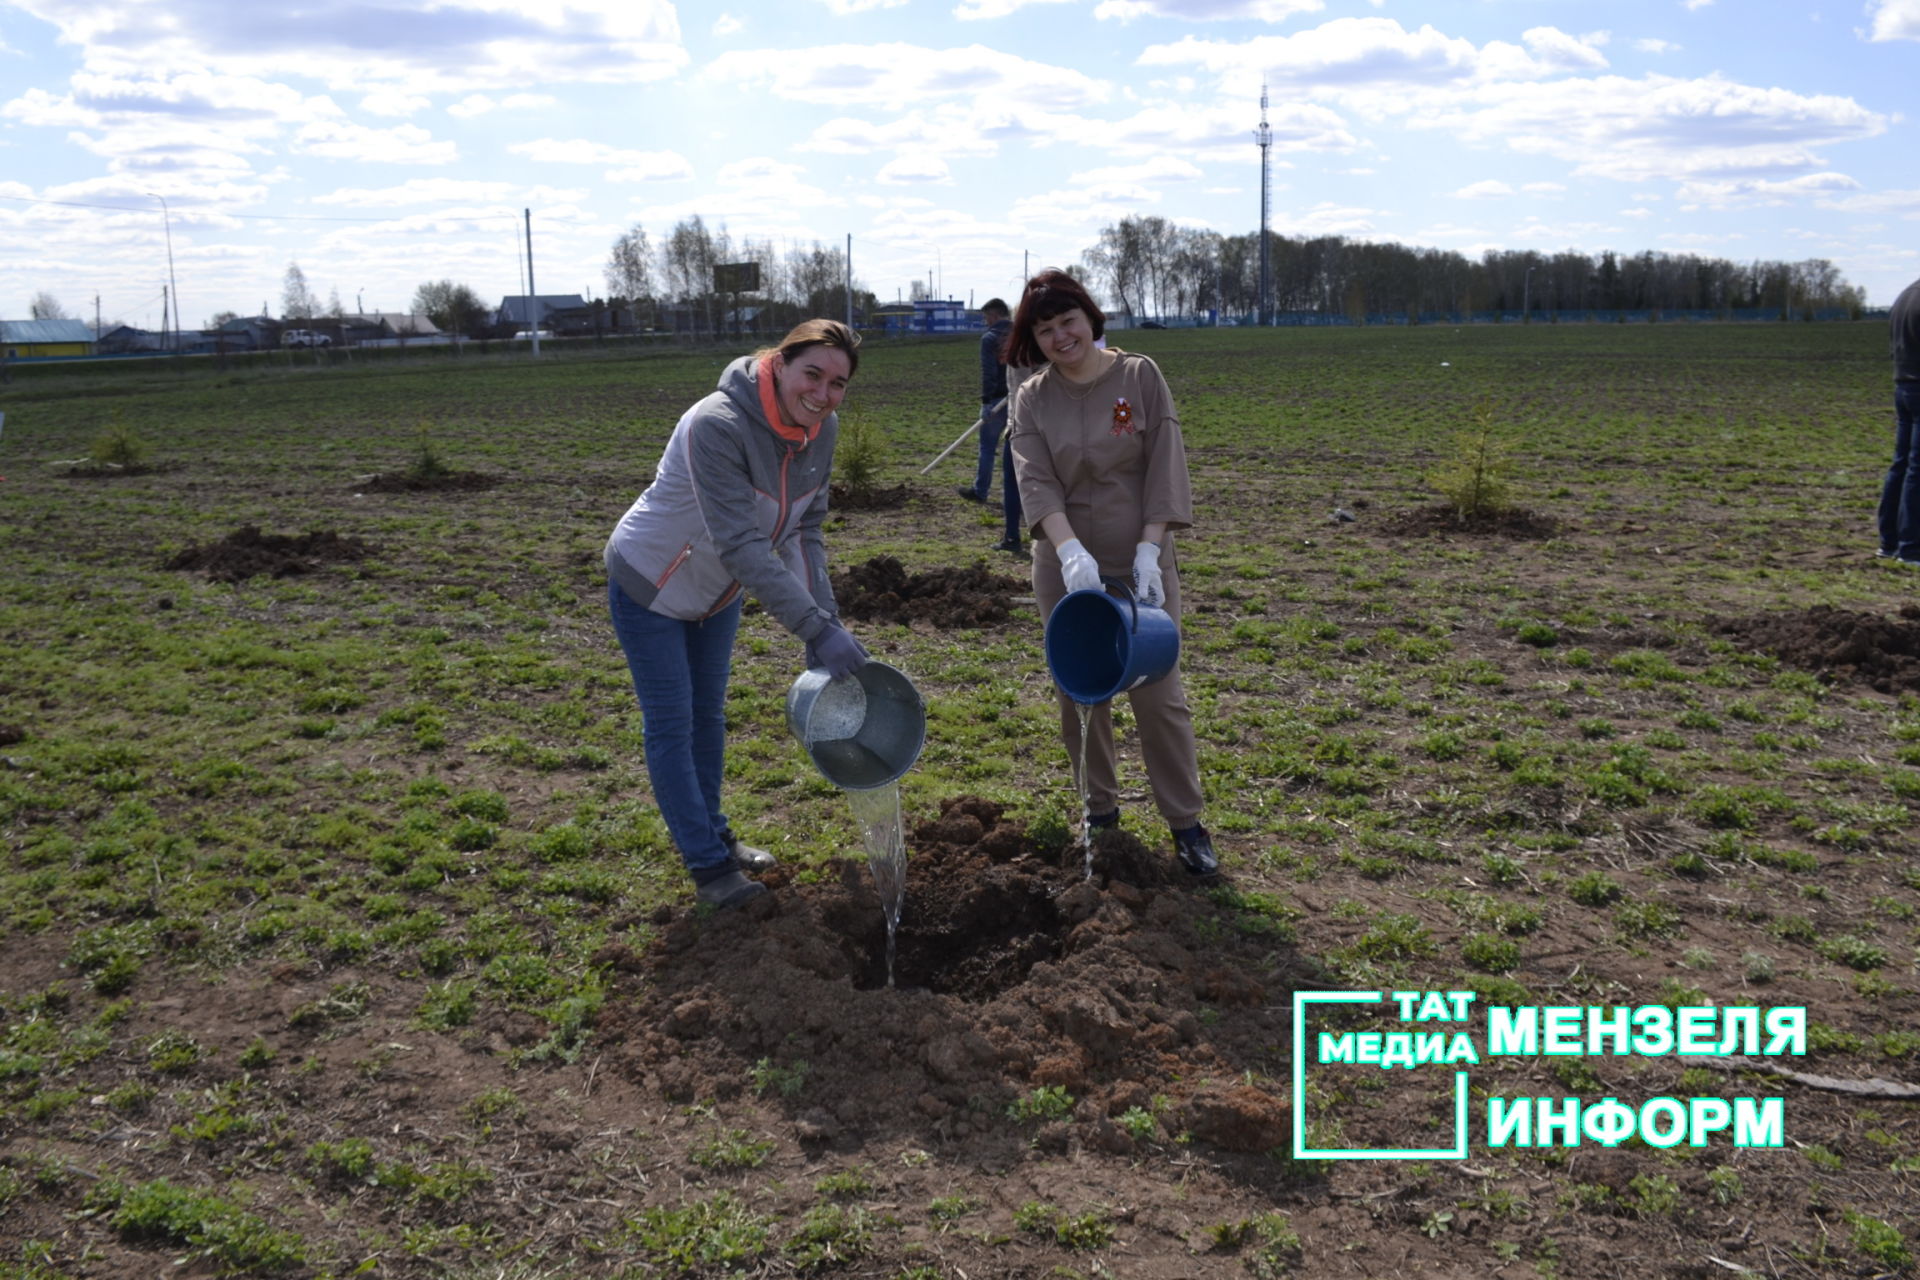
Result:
x=1099 y=646
x=861 y=732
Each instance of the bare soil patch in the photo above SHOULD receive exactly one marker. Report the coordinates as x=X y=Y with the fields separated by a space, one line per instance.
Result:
x=1440 y=519
x=845 y=498
x=441 y=482
x=1844 y=644
x=247 y=552
x=1016 y=970
x=881 y=590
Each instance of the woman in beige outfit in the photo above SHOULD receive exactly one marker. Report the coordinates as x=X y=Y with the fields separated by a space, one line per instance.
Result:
x=1103 y=486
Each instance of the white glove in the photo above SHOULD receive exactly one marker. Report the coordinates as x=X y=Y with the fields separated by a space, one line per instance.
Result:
x=1077 y=567
x=1147 y=587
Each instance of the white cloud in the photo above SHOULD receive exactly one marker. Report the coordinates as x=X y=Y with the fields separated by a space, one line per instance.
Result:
x=885 y=75
x=1691 y=5
x=1220 y=133
x=1636 y=213
x=623 y=165
x=726 y=24
x=978 y=10
x=420 y=191
x=446 y=47
x=1544 y=188
x=1740 y=192
x=1327 y=219
x=1654 y=126
x=479 y=104
x=403 y=144
x=951 y=131
x=914 y=169
x=393 y=102
x=1896 y=20
x=1653 y=45
x=1483 y=190
x=1904 y=203
x=1207 y=10
x=1349 y=53
x=1135 y=181
x=846 y=8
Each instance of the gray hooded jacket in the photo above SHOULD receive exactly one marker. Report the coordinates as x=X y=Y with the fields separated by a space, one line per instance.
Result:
x=735 y=502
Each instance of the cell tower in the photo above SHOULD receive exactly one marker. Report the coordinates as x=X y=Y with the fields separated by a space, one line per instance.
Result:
x=1264 y=136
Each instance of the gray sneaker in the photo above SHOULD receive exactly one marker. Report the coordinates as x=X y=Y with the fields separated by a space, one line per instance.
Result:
x=750 y=858
x=729 y=891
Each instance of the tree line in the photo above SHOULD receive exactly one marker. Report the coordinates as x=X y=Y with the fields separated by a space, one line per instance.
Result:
x=674 y=285
x=1148 y=267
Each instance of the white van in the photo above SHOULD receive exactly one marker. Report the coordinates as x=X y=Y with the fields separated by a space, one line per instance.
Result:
x=305 y=338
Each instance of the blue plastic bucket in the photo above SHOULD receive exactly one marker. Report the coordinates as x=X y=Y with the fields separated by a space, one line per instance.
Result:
x=1099 y=646
x=861 y=732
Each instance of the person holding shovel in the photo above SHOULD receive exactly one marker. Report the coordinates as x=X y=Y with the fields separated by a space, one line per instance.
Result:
x=993 y=422
x=1103 y=482
x=736 y=506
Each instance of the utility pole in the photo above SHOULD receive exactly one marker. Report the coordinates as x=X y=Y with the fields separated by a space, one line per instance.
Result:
x=849 y=280
x=533 y=295
x=1264 y=136
x=96 y=317
x=167 y=215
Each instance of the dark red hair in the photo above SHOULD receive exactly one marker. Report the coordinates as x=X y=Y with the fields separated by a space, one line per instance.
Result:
x=1051 y=293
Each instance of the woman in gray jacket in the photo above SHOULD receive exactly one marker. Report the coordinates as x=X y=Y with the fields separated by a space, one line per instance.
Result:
x=736 y=504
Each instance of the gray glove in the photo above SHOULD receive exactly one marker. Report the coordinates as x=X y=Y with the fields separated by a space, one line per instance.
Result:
x=1147 y=585
x=836 y=652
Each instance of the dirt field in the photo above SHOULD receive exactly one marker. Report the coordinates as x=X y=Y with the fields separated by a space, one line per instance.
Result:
x=340 y=937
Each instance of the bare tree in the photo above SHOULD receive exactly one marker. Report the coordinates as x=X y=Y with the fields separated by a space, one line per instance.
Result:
x=46 y=307
x=296 y=299
x=629 y=270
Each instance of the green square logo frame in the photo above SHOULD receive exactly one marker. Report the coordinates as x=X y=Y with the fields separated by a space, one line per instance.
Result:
x=1302 y=1049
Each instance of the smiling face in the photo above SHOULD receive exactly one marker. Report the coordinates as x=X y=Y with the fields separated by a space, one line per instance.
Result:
x=1066 y=340
x=811 y=385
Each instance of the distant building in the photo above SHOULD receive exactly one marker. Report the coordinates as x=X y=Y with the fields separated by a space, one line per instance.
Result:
x=45 y=339
x=928 y=315
x=386 y=328
x=518 y=311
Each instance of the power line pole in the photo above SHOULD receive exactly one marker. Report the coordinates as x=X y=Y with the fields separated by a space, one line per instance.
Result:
x=533 y=295
x=1264 y=136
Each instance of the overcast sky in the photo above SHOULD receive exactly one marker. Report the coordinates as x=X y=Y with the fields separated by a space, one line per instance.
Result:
x=383 y=143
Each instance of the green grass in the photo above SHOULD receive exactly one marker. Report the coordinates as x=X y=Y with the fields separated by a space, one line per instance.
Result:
x=415 y=780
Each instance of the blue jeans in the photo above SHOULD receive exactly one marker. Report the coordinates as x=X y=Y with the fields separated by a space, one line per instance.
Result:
x=992 y=424
x=1900 y=495
x=1010 y=491
x=680 y=672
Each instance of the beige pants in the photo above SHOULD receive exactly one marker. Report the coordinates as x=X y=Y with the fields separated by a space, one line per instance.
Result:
x=1160 y=710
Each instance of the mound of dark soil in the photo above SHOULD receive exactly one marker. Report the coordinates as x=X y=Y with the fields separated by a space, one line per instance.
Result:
x=1881 y=652
x=843 y=498
x=438 y=482
x=882 y=590
x=1015 y=970
x=1517 y=522
x=246 y=552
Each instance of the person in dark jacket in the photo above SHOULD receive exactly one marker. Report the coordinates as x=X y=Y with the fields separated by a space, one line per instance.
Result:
x=995 y=446
x=1900 y=495
x=736 y=506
